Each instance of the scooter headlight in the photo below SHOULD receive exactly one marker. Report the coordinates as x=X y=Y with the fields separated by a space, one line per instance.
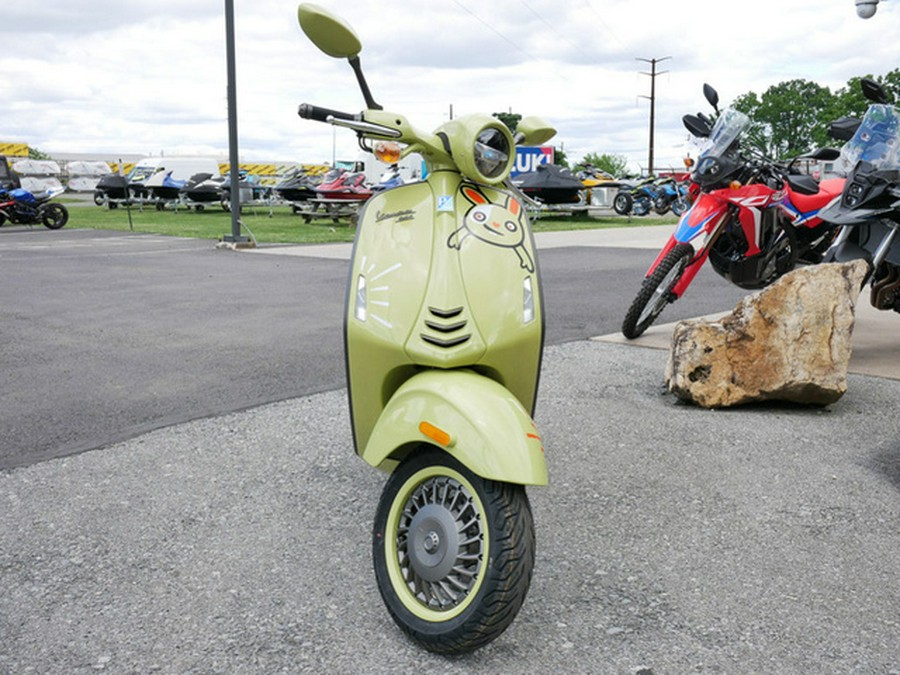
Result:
x=481 y=146
x=491 y=153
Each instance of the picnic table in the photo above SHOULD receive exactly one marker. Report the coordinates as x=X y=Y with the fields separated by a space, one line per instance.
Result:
x=336 y=209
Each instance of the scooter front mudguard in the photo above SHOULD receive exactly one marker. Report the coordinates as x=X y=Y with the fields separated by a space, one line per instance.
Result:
x=471 y=417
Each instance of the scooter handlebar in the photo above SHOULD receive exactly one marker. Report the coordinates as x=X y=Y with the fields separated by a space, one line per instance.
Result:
x=313 y=112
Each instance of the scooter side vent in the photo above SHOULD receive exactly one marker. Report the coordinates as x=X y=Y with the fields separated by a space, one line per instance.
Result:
x=444 y=323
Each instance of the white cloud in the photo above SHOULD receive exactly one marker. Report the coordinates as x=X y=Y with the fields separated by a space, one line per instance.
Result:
x=108 y=76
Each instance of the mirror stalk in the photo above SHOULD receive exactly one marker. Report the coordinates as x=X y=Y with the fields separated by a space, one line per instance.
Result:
x=363 y=85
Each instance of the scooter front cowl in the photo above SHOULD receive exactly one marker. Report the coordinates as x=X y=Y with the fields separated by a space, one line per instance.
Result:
x=471 y=417
x=443 y=276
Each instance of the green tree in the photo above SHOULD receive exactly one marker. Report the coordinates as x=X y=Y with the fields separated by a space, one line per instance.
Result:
x=791 y=117
x=510 y=119
x=849 y=100
x=614 y=165
x=34 y=153
x=559 y=157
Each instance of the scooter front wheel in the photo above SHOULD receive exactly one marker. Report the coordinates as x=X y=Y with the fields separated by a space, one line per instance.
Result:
x=453 y=552
x=656 y=291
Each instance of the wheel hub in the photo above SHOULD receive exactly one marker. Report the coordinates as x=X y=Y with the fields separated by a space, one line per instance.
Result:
x=434 y=542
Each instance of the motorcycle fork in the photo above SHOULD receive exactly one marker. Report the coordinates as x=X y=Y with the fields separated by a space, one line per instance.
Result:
x=700 y=257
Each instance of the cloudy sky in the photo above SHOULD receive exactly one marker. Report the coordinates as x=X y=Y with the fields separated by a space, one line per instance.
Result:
x=121 y=76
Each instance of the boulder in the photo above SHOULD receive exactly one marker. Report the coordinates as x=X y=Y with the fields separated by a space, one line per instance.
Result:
x=789 y=342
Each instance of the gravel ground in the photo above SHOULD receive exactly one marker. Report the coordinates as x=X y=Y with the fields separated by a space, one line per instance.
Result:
x=671 y=540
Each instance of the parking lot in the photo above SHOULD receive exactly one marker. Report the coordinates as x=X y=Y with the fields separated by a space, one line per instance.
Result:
x=180 y=492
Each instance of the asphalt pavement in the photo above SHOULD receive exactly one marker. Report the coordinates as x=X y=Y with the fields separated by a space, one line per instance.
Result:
x=107 y=335
x=671 y=539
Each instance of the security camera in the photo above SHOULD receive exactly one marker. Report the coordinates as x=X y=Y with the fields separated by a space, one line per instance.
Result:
x=865 y=9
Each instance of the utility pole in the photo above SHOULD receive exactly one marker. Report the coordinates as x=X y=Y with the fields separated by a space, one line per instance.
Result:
x=653 y=73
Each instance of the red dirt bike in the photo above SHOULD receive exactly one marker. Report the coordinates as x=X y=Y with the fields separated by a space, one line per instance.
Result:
x=754 y=219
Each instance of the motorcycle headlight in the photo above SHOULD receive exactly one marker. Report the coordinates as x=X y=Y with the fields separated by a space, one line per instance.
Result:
x=709 y=167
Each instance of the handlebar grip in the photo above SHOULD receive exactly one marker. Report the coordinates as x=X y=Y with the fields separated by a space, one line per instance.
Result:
x=313 y=112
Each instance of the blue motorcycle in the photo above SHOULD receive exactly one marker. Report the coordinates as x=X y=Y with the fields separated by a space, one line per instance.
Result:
x=670 y=194
x=21 y=207
x=635 y=198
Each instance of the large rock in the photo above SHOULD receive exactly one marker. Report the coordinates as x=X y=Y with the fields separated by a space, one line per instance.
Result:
x=789 y=342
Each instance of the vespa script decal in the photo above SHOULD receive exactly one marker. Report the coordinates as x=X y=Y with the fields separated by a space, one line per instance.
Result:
x=399 y=216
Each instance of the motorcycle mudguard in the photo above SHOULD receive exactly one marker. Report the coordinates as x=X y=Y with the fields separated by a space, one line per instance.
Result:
x=699 y=218
x=471 y=417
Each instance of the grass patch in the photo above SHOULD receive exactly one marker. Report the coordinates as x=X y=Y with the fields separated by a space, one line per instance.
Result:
x=283 y=226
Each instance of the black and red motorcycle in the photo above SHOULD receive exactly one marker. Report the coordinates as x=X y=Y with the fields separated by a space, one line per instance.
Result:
x=754 y=218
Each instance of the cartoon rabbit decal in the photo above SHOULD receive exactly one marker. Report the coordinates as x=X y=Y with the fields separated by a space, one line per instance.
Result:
x=493 y=223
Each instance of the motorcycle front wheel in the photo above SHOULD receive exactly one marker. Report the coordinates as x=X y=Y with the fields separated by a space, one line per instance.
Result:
x=453 y=552
x=641 y=206
x=622 y=203
x=679 y=206
x=54 y=216
x=656 y=291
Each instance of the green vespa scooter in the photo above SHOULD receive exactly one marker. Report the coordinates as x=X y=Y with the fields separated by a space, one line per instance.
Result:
x=443 y=334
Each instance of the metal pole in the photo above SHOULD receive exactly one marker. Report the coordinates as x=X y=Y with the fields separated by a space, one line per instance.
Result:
x=653 y=73
x=234 y=167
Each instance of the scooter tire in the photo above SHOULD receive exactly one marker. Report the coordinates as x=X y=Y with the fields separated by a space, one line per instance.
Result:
x=656 y=291
x=453 y=552
x=622 y=203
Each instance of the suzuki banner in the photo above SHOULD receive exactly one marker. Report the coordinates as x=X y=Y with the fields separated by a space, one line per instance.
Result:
x=529 y=158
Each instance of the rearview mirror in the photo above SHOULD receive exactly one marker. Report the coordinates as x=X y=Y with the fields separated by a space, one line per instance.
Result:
x=328 y=32
x=333 y=35
x=825 y=154
x=873 y=91
x=712 y=96
x=533 y=131
x=844 y=128
x=696 y=126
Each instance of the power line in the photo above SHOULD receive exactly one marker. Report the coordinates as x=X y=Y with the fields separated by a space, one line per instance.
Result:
x=604 y=24
x=560 y=35
x=492 y=29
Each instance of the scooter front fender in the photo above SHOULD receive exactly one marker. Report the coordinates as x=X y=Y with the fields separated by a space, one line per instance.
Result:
x=470 y=416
